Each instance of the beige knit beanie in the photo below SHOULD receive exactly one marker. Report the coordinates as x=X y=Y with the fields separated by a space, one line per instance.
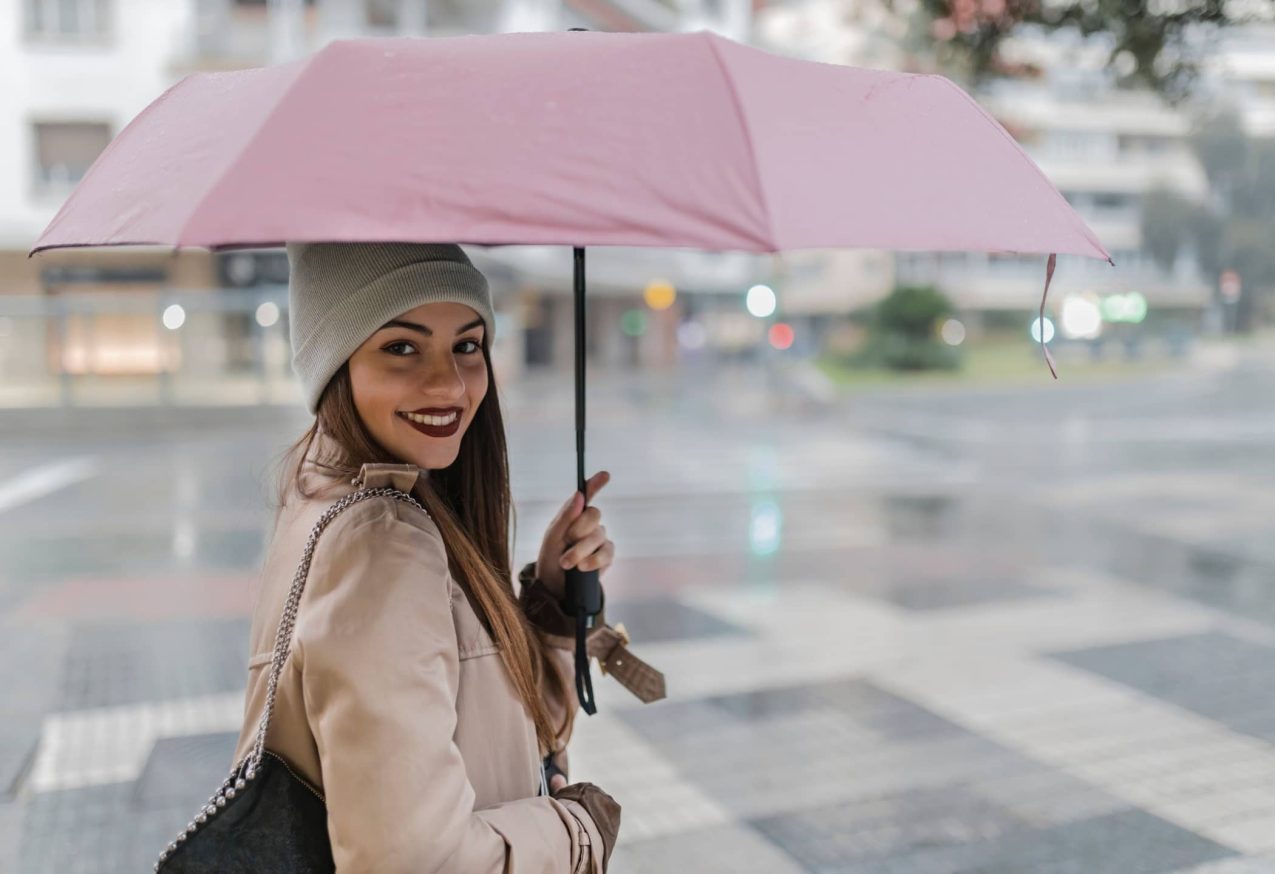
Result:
x=339 y=294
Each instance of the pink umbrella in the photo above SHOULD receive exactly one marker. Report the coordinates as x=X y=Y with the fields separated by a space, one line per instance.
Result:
x=577 y=139
x=677 y=139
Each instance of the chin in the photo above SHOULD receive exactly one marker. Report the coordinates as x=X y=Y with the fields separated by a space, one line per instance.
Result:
x=435 y=463
x=433 y=460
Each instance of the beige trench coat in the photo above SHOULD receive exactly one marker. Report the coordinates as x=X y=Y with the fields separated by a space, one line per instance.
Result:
x=394 y=702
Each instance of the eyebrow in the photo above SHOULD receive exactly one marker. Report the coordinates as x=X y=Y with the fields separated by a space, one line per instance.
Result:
x=424 y=329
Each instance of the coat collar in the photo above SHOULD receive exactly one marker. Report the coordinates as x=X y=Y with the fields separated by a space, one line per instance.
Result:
x=404 y=477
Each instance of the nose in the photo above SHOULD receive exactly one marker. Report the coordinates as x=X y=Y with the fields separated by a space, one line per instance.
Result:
x=443 y=383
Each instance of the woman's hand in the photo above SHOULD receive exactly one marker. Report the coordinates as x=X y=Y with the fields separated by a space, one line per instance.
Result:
x=557 y=779
x=575 y=538
x=602 y=809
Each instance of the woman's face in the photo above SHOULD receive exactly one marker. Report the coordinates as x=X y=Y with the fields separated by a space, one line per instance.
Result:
x=418 y=381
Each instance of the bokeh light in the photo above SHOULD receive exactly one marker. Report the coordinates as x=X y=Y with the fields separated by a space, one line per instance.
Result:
x=268 y=314
x=174 y=316
x=766 y=528
x=1048 y=330
x=780 y=335
x=760 y=301
x=952 y=332
x=692 y=335
x=633 y=323
x=1128 y=308
x=659 y=294
x=1081 y=317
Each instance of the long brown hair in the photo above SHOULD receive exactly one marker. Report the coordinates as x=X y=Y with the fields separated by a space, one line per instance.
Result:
x=471 y=503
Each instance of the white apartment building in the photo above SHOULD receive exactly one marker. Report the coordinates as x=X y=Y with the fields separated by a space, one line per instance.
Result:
x=1102 y=147
x=1105 y=149
x=73 y=73
x=1241 y=71
x=1104 y=152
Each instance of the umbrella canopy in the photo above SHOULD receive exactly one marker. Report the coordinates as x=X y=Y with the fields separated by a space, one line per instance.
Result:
x=579 y=139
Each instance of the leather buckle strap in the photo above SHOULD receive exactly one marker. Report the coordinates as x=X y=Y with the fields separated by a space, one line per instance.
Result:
x=609 y=645
x=625 y=640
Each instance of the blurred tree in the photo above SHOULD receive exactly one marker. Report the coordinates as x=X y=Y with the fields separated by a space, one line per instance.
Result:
x=913 y=311
x=1152 y=40
x=904 y=330
x=1234 y=229
x=1169 y=222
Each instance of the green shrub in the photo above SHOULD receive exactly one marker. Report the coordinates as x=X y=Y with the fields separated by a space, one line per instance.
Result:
x=903 y=333
x=913 y=311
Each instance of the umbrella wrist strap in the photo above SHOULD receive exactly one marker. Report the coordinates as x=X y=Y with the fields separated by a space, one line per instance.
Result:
x=584 y=682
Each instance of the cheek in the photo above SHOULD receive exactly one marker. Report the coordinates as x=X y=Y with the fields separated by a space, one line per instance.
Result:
x=476 y=383
x=376 y=394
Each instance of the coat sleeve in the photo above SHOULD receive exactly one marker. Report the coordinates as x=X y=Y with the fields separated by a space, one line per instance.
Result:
x=557 y=629
x=377 y=650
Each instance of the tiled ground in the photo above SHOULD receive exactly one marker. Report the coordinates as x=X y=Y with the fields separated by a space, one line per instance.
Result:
x=951 y=637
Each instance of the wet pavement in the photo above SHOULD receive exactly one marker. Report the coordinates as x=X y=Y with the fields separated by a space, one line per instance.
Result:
x=917 y=630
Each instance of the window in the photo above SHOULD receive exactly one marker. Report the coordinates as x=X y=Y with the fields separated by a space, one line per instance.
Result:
x=381 y=14
x=1080 y=144
x=1144 y=144
x=65 y=149
x=61 y=19
x=1110 y=201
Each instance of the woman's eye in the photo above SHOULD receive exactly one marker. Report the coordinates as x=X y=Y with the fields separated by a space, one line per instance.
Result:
x=477 y=346
x=402 y=347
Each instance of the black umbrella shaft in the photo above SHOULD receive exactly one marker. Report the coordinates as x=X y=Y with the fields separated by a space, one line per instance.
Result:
x=583 y=588
x=579 y=349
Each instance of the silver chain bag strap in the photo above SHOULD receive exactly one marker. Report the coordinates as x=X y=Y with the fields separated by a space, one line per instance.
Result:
x=264 y=817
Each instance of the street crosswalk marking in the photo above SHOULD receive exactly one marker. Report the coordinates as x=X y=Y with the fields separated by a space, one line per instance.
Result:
x=45 y=480
x=111 y=744
x=1168 y=761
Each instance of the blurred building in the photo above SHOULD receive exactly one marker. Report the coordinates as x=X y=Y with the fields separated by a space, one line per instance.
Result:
x=74 y=73
x=81 y=69
x=1105 y=148
x=816 y=289
x=1240 y=69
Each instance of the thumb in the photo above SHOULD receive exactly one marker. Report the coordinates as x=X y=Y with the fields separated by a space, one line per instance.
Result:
x=568 y=512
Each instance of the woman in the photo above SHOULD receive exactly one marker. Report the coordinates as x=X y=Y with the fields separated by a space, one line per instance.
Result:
x=419 y=695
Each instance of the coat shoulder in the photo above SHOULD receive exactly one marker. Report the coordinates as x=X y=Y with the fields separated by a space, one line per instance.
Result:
x=378 y=558
x=395 y=516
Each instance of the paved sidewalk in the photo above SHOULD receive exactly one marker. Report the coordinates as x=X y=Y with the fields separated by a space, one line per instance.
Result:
x=892 y=645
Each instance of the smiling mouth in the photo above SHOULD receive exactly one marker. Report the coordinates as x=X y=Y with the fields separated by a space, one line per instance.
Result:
x=433 y=426
x=436 y=421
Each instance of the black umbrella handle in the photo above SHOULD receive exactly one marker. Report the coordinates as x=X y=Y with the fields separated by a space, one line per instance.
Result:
x=584 y=601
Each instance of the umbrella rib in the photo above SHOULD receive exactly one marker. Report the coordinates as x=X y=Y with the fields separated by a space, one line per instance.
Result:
x=248 y=143
x=1072 y=216
x=769 y=240
x=100 y=159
